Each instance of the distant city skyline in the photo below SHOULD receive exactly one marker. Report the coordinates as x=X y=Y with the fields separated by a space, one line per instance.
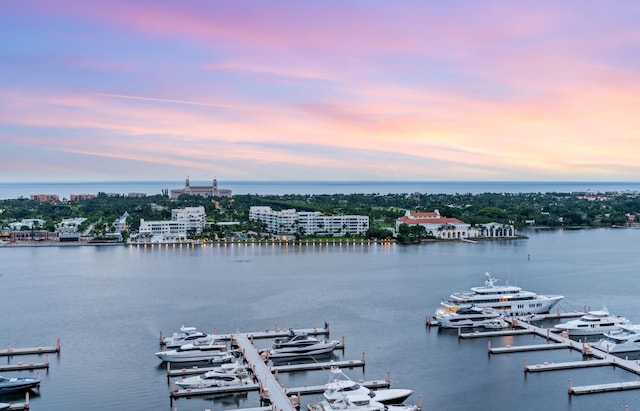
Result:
x=320 y=91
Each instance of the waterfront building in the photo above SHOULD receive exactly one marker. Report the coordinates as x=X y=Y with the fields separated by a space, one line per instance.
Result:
x=183 y=221
x=309 y=223
x=446 y=228
x=194 y=218
x=204 y=191
x=158 y=231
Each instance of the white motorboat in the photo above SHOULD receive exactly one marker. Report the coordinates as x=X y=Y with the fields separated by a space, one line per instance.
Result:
x=5 y=405
x=465 y=317
x=624 y=340
x=359 y=402
x=294 y=339
x=506 y=299
x=593 y=323
x=340 y=385
x=304 y=350
x=212 y=351
x=226 y=375
x=186 y=335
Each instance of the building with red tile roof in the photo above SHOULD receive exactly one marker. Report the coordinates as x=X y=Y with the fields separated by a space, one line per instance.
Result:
x=447 y=228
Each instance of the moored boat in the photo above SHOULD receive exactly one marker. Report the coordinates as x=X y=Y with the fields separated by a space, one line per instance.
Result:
x=465 y=317
x=226 y=375
x=593 y=323
x=305 y=350
x=624 y=340
x=506 y=299
x=340 y=385
x=294 y=339
x=212 y=351
x=17 y=384
x=186 y=335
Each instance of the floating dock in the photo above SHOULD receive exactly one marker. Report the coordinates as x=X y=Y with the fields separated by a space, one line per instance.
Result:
x=566 y=365
x=10 y=351
x=24 y=366
x=616 y=386
x=522 y=348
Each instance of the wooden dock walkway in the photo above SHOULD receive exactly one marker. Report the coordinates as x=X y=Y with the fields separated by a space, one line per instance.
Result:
x=522 y=348
x=24 y=366
x=317 y=366
x=270 y=388
x=500 y=333
x=10 y=351
x=615 y=386
x=566 y=365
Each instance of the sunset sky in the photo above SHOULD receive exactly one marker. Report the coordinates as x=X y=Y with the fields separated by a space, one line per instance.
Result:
x=319 y=90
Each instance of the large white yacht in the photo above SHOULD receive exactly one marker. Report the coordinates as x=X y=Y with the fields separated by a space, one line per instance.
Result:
x=506 y=299
x=593 y=323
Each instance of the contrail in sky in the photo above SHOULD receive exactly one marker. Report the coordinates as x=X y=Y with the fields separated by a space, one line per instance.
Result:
x=164 y=100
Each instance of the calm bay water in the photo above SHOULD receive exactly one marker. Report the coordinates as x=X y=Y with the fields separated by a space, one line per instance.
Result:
x=109 y=304
x=64 y=190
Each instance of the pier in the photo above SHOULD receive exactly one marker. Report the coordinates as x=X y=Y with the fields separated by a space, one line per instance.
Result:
x=20 y=366
x=10 y=351
x=591 y=357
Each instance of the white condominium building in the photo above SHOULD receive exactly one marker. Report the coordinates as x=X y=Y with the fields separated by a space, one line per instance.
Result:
x=193 y=217
x=162 y=231
x=183 y=221
x=309 y=223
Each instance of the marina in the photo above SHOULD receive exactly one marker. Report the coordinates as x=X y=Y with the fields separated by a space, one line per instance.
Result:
x=264 y=377
x=560 y=341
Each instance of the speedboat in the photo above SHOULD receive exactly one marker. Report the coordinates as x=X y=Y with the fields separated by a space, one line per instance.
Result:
x=212 y=351
x=340 y=385
x=496 y=324
x=506 y=299
x=360 y=402
x=186 y=335
x=317 y=348
x=17 y=384
x=223 y=376
x=465 y=317
x=624 y=340
x=5 y=405
x=294 y=339
x=593 y=323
